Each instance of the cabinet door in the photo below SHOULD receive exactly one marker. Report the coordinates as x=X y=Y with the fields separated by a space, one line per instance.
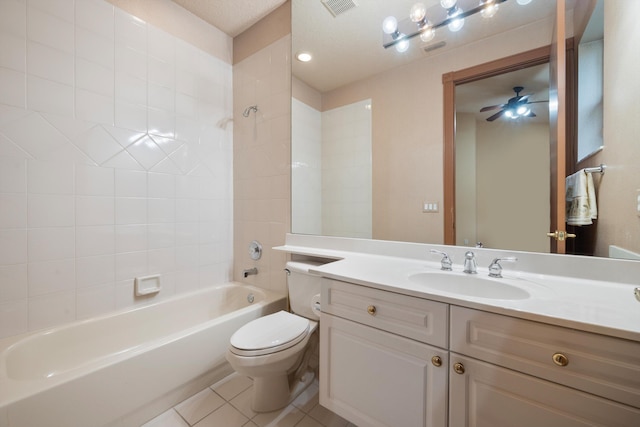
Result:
x=374 y=378
x=486 y=395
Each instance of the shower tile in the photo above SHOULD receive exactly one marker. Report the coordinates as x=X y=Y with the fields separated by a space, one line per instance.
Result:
x=94 y=181
x=49 y=63
x=50 y=30
x=12 y=52
x=161 y=185
x=52 y=309
x=14 y=282
x=94 y=107
x=95 y=240
x=94 y=77
x=129 y=210
x=50 y=210
x=49 y=97
x=13 y=318
x=130 y=265
x=53 y=243
x=199 y=406
x=131 y=238
x=94 y=210
x=131 y=183
x=97 y=16
x=13 y=175
x=12 y=87
x=51 y=276
x=50 y=178
x=95 y=301
x=95 y=270
x=13 y=210
x=95 y=47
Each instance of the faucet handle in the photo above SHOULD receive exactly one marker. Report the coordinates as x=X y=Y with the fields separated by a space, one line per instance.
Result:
x=446 y=262
x=495 y=269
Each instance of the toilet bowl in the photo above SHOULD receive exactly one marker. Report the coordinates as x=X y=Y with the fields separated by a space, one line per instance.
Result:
x=275 y=349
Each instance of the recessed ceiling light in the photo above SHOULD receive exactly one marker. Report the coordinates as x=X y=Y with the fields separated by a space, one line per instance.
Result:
x=303 y=56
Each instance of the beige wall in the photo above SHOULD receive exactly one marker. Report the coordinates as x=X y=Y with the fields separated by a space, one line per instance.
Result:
x=264 y=33
x=466 y=192
x=181 y=23
x=407 y=131
x=305 y=93
x=617 y=189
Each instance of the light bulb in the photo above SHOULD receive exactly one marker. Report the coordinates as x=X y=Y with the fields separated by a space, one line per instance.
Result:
x=523 y=2
x=402 y=45
x=418 y=12
x=390 y=25
x=509 y=114
x=427 y=34
x=522 y=110
x=448 y=4
x=456 y=24
x=489 y=10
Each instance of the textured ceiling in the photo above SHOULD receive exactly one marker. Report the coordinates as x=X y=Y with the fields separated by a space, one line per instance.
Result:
x=231 y=16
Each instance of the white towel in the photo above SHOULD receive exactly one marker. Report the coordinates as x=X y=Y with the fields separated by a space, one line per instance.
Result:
x=580 y=199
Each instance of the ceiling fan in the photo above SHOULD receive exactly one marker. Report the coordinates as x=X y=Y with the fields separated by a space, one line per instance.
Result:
x=518 y=106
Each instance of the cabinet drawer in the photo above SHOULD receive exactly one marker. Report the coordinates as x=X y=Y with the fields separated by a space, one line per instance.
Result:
x=411 y=317
x=598 y=364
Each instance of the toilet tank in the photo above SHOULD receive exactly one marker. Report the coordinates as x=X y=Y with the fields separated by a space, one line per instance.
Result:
x=304 y=288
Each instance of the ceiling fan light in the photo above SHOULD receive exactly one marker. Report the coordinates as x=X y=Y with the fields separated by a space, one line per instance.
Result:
x=427 y=34
x=390 y=25
x=448 y=4
x=523 y=2
x=418 y=12
x=457 y=23
x=522 y=110
x=509 y=114
x=402 y=45
x=489 y=10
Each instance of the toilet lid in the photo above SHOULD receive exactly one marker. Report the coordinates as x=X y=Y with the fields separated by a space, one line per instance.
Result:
x=273 y=330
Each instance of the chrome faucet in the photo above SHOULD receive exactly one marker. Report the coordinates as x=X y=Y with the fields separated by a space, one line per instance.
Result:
x=495 y=269
x=470 y=265
x=446 y=261
x=249 y=272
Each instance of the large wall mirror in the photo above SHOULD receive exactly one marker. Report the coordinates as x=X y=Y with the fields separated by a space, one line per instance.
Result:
x=367 y=137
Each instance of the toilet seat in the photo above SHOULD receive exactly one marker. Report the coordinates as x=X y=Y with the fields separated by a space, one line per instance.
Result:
x=269 y=334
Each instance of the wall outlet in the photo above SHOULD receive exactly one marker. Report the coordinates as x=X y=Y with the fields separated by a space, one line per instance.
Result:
x=430 y=207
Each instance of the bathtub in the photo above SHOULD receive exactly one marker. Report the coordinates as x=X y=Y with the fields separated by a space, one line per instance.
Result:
x=125 y=368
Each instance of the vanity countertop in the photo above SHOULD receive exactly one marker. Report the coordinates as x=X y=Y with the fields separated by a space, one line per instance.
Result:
x=601 y=307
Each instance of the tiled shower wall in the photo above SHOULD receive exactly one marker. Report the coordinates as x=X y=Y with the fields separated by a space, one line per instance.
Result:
x=261 y=161
x=115 y=162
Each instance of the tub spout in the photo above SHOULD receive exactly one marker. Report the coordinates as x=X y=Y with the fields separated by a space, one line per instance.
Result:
x=249 y=272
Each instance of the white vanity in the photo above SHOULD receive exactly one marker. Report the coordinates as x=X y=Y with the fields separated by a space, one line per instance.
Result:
x=396 y=351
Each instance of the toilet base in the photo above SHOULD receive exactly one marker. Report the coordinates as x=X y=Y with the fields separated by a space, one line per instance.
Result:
x=273 y=393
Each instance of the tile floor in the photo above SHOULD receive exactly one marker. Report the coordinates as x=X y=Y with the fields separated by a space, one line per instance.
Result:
x=227 y=403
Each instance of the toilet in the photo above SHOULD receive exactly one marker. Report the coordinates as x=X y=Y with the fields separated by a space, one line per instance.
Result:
x=275 y=349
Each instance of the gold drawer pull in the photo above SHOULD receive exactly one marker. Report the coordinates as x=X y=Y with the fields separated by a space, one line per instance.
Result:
x=458 y=368
x=437 y=361
x=560 y=359
x=371 y=310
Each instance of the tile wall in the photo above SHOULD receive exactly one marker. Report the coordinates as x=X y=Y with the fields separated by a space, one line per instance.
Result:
x=262 y=161
x=306 y=168
x=115 y=162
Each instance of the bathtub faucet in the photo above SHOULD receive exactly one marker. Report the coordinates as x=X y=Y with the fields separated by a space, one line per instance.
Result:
x=249 y=272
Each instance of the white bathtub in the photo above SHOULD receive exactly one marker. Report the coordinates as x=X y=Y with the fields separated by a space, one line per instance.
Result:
x=125 y=368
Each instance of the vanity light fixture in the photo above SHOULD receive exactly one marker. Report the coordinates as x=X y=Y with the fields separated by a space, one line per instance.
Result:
x=399 y=33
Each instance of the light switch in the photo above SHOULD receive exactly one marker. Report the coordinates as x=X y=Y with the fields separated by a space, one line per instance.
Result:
x=430 y=207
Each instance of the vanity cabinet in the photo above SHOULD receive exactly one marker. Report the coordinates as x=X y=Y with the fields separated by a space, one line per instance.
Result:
x=378 y=366
x=388 y=359
x=514 y=372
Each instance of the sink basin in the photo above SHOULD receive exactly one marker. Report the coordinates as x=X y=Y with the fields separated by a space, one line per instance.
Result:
x=470 y=285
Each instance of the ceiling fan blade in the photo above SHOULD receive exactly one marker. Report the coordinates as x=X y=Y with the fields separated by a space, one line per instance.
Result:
x=524 y=98
x=536 y=102
x=531 y=114
x=495 y=116
x=491 y=107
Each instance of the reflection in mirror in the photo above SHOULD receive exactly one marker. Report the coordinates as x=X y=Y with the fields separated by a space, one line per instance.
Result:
x=349 y=66
x=502 y=163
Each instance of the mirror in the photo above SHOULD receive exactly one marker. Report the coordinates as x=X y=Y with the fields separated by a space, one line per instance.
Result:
x=350 y=66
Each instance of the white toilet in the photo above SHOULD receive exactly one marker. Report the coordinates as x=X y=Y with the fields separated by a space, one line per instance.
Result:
x=275 y=349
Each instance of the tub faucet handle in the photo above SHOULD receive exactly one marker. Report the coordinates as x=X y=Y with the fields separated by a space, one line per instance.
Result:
x=495 y=269
x=446 y=261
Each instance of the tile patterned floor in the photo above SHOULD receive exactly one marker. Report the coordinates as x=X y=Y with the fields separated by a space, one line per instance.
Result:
x=227 y=404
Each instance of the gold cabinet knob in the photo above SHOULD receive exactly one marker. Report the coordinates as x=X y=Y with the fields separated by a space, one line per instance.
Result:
x=371 y=310
x=560 y=359
x=437 y=361
x=458 y=368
